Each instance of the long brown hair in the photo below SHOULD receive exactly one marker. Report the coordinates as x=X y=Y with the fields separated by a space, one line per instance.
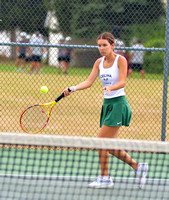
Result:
x=107 y=36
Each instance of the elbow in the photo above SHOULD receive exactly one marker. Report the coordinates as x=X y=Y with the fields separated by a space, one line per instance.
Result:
x=89 y=84
x=123 y=84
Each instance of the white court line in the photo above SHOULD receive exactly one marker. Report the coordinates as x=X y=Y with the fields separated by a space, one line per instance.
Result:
x=74 y=177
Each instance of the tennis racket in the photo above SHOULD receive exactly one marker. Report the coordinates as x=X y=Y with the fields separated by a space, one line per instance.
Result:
x=35 y=118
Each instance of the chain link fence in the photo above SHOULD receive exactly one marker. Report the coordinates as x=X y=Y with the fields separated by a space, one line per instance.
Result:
x=53 y=43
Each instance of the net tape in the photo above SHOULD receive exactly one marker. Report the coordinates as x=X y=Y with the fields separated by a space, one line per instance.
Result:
x=83 y=142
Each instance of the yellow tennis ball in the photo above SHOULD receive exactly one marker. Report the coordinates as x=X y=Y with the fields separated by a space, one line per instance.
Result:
x=44 y=89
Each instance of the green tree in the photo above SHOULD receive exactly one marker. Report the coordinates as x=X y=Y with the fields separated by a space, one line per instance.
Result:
x=86 y=19
x=64 y=11
x=26 y=15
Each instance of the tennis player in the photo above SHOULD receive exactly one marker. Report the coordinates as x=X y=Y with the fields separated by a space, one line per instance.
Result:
x=116 y=111
x=136 y=59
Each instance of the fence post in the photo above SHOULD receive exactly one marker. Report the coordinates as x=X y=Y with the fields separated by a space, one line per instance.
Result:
x=165 y=83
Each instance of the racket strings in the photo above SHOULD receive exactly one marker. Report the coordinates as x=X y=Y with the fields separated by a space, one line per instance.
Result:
x=34 y=118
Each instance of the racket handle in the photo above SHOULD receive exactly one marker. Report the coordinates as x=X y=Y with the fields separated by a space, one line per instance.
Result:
x=61 y=96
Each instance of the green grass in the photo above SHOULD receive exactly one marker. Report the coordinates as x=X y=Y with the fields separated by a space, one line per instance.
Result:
x=79 y=113
x=46 y=69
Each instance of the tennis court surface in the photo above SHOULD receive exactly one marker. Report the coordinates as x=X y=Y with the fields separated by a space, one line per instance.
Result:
x=44 y=167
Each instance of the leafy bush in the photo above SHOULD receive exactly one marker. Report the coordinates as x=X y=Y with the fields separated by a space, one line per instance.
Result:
x=154 y=60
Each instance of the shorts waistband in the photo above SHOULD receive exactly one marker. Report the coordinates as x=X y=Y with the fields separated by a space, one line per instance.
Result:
x=116 y=99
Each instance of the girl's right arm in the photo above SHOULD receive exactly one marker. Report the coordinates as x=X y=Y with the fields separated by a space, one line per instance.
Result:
x=88 y=83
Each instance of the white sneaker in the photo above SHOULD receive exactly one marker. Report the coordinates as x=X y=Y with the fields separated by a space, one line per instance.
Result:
x=102 y=182
x=141 y=173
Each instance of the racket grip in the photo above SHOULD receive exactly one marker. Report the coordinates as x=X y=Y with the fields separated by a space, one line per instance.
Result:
x=61 y=96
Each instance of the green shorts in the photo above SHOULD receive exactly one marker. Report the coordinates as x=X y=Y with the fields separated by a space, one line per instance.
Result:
x=115 y=112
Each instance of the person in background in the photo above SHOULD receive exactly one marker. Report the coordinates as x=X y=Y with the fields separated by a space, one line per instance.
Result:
x=67 y=55
x=120 y=43
x=60 y=54
x=44 y=52
x=37 y=52
x=21 y=51
x=28 y=56
x=136 y=59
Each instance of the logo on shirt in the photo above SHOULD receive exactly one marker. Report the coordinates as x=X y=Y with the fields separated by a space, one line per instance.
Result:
x=105 y=77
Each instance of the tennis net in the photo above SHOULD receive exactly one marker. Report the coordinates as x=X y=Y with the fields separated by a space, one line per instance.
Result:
x=44 y=167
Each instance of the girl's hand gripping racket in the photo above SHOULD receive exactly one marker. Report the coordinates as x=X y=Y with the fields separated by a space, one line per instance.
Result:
x=36 y=117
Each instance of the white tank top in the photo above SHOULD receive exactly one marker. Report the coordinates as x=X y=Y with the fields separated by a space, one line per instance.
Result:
x=110 y=76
